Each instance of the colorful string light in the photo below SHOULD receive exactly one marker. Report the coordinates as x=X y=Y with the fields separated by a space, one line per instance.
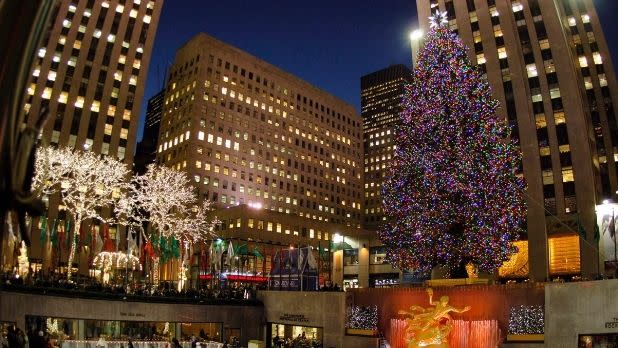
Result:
x=452 y=195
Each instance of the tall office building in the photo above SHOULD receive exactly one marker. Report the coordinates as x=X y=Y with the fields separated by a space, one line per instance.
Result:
x=283 y=157
x=91 y=72
x=381 y=97
x=549 y=66
x=146 y=151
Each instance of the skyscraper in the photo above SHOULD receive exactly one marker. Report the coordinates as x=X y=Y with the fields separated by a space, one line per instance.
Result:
x=91 y=71
x=145 y=153
x=281 y=158
x=549 y=66
x=381 y=97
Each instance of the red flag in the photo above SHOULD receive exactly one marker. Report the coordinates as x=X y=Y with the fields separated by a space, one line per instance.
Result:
x=108 y=244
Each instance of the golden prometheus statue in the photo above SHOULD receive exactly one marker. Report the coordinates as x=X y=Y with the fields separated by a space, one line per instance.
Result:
x=430 y=327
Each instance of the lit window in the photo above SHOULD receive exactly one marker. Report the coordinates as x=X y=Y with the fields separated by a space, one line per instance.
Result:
x=517 y=6
x=588 y=82
x=95 y=106
x=62 y=98
x=596 y=56
x=537 y=98
x=146 y=19
x=531 y=68
x=87 y=13
x=51 y=76
x=602 y=80
x=554 y=93
x=72 y=8
x=124 y=133
x=66 y=23
x=585 y=18
x=572 y=21
x=111 y=38
x=200 y=135
x=567 y=174
x=501 y=53
x=480 y=59
x=583 y=62
x=133 y=13
x=120 y=8
x=42 y=52
x=97 y=33
x=79 y=102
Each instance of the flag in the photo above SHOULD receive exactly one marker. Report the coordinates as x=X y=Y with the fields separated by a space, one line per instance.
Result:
x=98 y=242
x=230 y=254
x=60 y=231
x=612 y=227
x=311 y=260
x=68 y=233
x=108 y=244
x=53 y=236
x=257 y=253
x=241 y=250
x=43 y=235
x=301 y=259
x=131 y=242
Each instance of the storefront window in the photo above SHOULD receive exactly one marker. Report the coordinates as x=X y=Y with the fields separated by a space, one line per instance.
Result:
x=377 y=255
x=608 y=340
x=350 y=282
x=283 y=335
x=350 y=257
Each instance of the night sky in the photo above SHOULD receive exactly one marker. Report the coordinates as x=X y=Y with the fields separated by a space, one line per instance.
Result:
x=330 y=44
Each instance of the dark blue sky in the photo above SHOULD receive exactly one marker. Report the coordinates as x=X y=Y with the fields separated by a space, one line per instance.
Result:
x=330 y=44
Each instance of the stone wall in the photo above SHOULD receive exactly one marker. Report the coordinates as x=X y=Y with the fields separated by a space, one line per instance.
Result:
x=572 y=309
x=15 y=306
x=315 y=309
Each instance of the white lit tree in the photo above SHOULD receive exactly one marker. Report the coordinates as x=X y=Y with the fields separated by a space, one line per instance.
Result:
x=172 y=208
x=171 y=203
x=87 y=184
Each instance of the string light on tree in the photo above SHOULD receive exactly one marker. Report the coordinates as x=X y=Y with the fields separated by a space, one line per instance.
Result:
x=452 y=195
x=526 y=320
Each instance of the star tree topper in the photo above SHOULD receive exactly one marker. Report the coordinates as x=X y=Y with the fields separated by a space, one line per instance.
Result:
x=438 y=19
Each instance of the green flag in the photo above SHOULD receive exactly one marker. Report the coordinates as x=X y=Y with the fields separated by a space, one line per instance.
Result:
x=67 y=231
x=257 y=253
x=53 y=236
x=241 y=250
x=43 y=235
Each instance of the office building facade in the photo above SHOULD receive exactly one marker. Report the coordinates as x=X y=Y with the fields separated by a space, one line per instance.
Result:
x=549 y=66
x=146 y=150
x=91 y=71
x=382 y=93
x=281 y=159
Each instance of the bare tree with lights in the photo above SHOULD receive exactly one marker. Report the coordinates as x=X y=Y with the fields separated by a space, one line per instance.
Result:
x=87 y=183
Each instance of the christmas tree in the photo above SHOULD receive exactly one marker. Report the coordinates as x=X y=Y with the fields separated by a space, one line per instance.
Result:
x=452 y=196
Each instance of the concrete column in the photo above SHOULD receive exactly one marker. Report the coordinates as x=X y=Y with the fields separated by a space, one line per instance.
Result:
x=337 y=268
x=537 y=246
x=363 y=266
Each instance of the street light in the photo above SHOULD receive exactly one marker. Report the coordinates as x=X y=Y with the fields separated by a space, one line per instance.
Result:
x=337 y=238
x=415 y=40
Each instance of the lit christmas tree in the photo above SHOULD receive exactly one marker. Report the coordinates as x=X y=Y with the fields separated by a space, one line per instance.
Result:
x=452 y=196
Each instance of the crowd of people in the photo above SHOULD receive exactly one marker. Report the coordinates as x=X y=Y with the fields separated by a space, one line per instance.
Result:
x=90 y=287
x=300 y=341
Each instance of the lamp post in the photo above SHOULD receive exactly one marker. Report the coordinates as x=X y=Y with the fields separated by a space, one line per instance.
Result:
x=415 y=40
